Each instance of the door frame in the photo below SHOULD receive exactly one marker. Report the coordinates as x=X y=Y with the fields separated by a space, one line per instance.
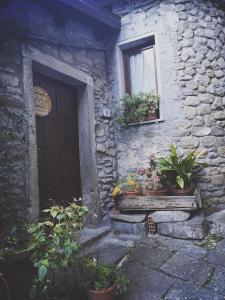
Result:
x=35 y=60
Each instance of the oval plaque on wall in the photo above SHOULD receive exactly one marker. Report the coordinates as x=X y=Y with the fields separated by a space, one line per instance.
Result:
x=43 y=103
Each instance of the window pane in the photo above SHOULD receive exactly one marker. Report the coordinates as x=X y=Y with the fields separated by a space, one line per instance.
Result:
x=142 y=72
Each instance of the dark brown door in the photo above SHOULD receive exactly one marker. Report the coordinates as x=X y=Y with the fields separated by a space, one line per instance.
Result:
x=58 y=144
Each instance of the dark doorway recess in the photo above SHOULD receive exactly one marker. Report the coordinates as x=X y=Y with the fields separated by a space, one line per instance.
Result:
x=58 y=144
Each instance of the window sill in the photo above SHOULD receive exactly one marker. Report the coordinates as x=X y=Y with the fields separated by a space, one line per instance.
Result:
x=145 y=122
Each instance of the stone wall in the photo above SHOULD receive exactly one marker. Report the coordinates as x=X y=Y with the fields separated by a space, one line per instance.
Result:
x=191 y=51
x=70 y=39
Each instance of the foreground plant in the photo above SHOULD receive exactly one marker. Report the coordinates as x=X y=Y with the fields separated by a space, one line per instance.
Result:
x=54 y=246
x=101 y=279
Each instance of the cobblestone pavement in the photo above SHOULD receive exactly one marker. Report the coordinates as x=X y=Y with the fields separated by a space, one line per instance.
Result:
x=167 y=268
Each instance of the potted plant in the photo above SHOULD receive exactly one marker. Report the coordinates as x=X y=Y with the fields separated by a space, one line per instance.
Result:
x=180 y=170
x=155 y=182
x=101 y=281
x=129 y=187
x=132 y=187
x=153 y=107
x=137 y=108
x=154 y=185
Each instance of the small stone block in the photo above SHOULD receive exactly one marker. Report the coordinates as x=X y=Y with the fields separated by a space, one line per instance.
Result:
x=216 y=223
x=130 y=218
x=194 y=228
x=130 y=228
x=170 y=216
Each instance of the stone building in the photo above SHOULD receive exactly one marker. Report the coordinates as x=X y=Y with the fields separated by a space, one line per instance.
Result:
x=74 y=50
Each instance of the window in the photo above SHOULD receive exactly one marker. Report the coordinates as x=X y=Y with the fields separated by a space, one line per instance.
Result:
x=140 y=69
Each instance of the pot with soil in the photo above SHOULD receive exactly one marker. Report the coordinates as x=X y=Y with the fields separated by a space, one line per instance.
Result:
x=150 y=117
x=106 y=294
x=101 y=281
x=131 y=194
x=162 y=192
x=183 y=192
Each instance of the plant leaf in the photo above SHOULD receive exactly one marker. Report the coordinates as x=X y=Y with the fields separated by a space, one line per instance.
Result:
x=180 y=182
x=42 y=271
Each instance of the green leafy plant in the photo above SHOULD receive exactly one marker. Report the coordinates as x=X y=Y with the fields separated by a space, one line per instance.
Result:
x=180 y=168
x=98 y=277
x=54 y=245
x=135 y=108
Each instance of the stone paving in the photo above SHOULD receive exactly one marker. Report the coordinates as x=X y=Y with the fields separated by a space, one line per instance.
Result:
x=166 y=268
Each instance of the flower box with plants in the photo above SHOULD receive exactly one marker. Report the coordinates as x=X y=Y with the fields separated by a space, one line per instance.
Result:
x=101 y=281
x=170 y=183
x=180 y=170
x=137 y=108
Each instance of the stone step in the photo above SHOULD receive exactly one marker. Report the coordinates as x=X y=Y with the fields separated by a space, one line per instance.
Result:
x=170 y=216
x=91 y=235
x=130 y=218
x=113 y=249
x=216 y=223
x=195 y=228
x=127 y=240
x=137 y=229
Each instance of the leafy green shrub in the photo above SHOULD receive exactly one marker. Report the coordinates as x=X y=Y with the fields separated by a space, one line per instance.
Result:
x=54 y=245
x=135 y=108
x=181 y=169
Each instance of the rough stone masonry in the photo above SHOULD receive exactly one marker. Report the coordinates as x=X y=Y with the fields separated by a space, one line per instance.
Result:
x=191 y=72
x=190 y=46
x=70 y=39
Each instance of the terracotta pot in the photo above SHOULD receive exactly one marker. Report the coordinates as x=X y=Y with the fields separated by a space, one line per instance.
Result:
x=162 y=192
x=131 y=194
x=150 y=117
x=184 y=192
x=107 y=294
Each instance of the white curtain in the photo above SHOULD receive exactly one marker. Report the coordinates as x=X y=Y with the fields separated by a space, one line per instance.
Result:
x=142 y=72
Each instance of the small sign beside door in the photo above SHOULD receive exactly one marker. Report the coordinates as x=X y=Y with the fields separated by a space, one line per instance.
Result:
x=43 y=103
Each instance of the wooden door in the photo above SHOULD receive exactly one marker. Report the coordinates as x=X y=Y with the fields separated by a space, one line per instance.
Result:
x=58 y=144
